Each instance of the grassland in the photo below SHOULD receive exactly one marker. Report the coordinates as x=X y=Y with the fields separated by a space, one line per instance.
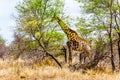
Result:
x=18 y=70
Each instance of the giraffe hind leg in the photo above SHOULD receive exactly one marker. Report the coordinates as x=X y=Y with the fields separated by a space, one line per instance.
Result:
x=82 y=58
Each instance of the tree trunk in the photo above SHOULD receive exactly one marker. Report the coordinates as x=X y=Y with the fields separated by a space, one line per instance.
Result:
x=111 y=46
x=110 y=35
x=119 y=50
x=111 y=50
x=48 y=54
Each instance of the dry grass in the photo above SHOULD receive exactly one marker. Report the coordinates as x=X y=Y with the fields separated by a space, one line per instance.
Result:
x=18 y=70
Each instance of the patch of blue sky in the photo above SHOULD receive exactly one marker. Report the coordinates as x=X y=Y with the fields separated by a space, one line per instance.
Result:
x=7 y=22
x=72 y=8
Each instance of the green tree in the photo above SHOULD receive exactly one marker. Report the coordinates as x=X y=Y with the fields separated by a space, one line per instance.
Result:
x=33 y=22
x=34 y=19
x=102 y=19
x=116 y=12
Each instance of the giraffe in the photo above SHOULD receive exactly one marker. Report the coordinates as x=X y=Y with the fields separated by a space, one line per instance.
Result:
x=75 y=42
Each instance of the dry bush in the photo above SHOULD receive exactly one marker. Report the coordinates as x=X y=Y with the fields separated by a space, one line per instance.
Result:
x=18 y=70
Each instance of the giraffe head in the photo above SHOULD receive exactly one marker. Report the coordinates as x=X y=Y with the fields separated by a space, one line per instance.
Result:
x=54 y=18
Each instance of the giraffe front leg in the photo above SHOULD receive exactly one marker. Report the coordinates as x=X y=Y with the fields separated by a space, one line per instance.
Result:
x=80 y=58
x=65 y=57
x=70 y=52
x=65 y=53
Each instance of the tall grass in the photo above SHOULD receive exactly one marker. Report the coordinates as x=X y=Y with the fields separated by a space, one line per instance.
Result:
x=19 y=70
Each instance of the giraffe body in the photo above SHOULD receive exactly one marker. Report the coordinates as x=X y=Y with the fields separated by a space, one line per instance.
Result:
x=75 y=42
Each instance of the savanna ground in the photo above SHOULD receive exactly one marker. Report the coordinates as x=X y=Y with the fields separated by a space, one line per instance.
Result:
x=21 y=70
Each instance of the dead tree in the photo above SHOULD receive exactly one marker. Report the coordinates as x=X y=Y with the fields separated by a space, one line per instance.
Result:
x=89 y=65
x=47 y=53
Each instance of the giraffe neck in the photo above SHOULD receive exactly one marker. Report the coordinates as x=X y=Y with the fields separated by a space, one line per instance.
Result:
x=71 y=34
x=64 y=27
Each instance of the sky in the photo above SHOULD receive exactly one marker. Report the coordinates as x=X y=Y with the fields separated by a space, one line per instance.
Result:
x=7 y=21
